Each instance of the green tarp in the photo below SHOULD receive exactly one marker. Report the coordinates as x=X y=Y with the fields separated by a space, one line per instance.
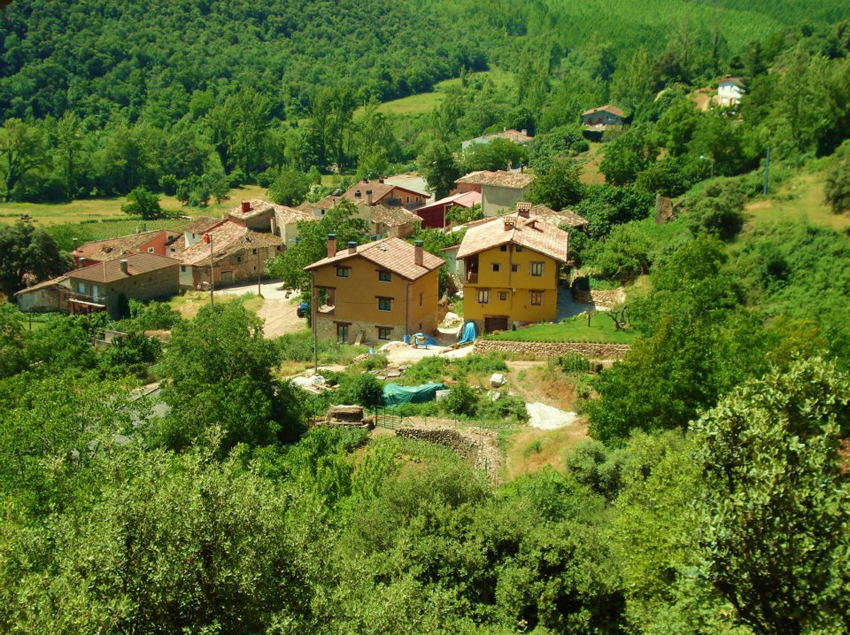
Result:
x=394 y=394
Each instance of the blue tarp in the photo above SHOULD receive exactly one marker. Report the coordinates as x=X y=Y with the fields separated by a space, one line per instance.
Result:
x=468 y=333
x=428 y=339
x=394 y=394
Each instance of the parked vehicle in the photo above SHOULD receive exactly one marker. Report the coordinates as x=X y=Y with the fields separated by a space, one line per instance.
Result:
x=302 y=309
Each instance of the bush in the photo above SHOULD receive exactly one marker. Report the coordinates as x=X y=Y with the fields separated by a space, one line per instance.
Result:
x=374 y=362
x=718 y=211
x=572 y=363
x=462 y=400
x=364 y=389
x=837 y=189
x=505 y=408
x=154 y=315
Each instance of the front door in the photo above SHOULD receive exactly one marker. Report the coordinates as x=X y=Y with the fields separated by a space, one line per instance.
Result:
x=226 y=277
x=496 y=323
x=342 y=333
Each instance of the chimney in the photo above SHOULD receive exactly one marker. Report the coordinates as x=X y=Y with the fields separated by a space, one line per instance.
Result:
x=418 y=255
x=245 y=207
x=123 y=264
x=331 y=245
x=524 y=131
x=74 y=241
x=523 y=208
x=357 y=194
x=368 y=197
x=352 y=247
x=381 y=180
x=510 y=222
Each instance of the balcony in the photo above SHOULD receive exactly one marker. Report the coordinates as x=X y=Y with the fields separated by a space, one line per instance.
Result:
x=471 y=277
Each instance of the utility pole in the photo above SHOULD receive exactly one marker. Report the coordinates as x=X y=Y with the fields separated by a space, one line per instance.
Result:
x=767 y=171
x=313 y=303
x=208 y=238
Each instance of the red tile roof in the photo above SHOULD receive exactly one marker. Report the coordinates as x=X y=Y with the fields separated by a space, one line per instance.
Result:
x=111 y=248
x=391 y=253
x=515 y=180
x=463 y=199
x=379 y=191
x=531 y=233
x=110 y=270
x=227 y=239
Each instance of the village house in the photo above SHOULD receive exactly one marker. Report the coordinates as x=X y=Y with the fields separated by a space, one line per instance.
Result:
x=376 y=292
x=235 y=253
x=256 y=214
x=729 y=91
x=499 y=190
x=109 y=285
x=44 y=296
x=434 y=214
x=519 y=137
x=194 y=231
x=374 y=192
x=511 y=271
x=603 y=117
x=546 y=214
x=392 y=221
x=157 y=242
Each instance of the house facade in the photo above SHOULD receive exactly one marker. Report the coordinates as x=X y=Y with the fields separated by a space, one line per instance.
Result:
x=42 y=297
x=730 y=90
x=230 y=254
x=106 y=285
x=603 y=117
x=376 y=292
x=434 y=214
x=378 y=191
x=510 y=271
x=499 y=190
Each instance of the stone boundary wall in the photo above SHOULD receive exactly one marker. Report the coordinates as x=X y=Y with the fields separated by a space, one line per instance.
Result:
x=600 y=297
x=544 y=350
x=479 y=447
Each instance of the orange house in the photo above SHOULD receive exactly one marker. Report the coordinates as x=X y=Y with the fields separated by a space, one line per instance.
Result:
x=376 y=292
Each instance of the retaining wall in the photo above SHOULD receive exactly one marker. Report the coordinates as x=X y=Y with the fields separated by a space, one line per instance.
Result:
x=544 y=350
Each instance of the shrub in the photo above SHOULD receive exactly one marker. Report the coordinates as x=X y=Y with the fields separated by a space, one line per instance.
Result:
x=154 y=315
x=572 y=363
x=364 y=389
x=837 y=189
x=717 y=211
x=374 y=362
x=505 y=408
x=462 y=400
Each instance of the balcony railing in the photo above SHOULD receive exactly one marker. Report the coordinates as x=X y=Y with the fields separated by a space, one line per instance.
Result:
x=472 y=277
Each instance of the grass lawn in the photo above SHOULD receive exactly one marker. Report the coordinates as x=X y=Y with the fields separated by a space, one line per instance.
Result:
x=590 y=174
x=801 y=198
x=575 y=329
x=98 y=209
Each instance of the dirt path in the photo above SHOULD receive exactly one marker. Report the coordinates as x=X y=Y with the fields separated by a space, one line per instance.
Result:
x=280 y=317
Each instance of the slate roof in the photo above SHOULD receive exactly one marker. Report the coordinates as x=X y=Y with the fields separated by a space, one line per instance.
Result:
x=227 y=239
x=532 y=233
x=391 y=253
x=515 y=180
x=110 y=270
x=110 y=248
x=607 y=108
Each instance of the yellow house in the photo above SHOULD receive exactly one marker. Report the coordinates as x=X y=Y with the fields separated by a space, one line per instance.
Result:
x=376 y=292
x=511 y=271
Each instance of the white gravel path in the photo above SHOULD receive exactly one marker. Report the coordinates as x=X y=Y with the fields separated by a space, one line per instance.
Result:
x=546 y=417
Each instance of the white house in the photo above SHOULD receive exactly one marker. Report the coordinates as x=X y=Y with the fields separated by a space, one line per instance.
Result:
x=729 y=91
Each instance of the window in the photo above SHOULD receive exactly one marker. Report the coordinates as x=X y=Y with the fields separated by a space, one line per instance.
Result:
x=518 y=248
x=385 y=276
x=384 y=332
x=503 y=295
x=238 y=258
x=503 y=248
x=536 y=298
x=496 y=267
x=150 y=250
x=514 y=268
x=81 y=287
x=483 y=296
x=385 y=304
x=183 y=268
x=536 y=268
x=408 y=199
x=420 y=299
x=343 y=272
x=342 y=333
x=254 y=252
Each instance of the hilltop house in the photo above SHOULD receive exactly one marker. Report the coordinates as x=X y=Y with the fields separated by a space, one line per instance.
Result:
x=374 y=192
x=379 y=291
x=510 y=269
x=108 y=285
x=433 y=215
x=158 y=242
x=233 y=252
x=729 y=91
x=499 y=190
x=44 y=296
x=603 y=117
x=519 y=137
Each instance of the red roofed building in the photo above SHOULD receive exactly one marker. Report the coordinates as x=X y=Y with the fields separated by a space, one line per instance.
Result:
x=433 y=215
x=374 y=192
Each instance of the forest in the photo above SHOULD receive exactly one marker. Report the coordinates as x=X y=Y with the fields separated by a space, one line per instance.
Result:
x=710 y=495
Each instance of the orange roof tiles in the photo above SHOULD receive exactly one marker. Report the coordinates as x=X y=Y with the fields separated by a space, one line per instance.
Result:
x=110 y=270
x=393 y=254
x=532 y=233
x=515 y=180
x=227 y=238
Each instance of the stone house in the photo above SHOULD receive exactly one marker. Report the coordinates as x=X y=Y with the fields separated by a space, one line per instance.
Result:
x=378 y=191
x=238 y=255
x=156 y=242
x=511 y=268
x=392 y=221
x=499 y=190
x=603 y=117
x=42 y=297
x=105 y=286
x=376 y=292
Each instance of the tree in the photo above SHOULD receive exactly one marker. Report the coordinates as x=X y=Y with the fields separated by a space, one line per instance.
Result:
x=774 y=516
x=837 y=189
x=438 y=167
x=290 y=188
x=622 y=256
x=557 y=185
x=27 y=251
x=142 y=203
x=12 y=350
x=219 y=369
x=628 y=155
x=22 y=153
x=69 y=152
x=497 y=154
x=717 y=211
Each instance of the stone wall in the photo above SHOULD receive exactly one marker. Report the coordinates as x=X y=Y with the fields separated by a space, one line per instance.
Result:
x=464 y=447
x=606 y=298
x=544 y=350
x=479 y=447
x=326 y=329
